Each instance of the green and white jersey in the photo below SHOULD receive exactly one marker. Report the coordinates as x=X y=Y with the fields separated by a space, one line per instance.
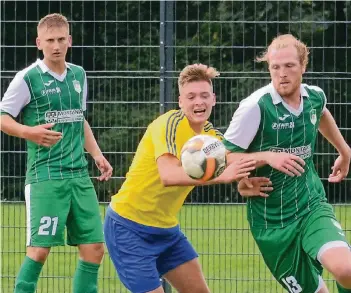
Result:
x=46 y=97
x=264 y=122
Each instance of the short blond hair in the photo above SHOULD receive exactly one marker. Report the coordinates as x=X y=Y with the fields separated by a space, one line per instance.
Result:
x=197 y=72
x=284 y=41
x=53 y=20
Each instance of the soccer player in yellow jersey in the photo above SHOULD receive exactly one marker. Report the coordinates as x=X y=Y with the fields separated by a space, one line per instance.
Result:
x=141 y=228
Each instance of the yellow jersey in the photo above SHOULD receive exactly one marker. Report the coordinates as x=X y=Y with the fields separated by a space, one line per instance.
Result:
x=143 y=198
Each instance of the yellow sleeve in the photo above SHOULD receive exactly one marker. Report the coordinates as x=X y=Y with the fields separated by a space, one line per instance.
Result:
x=163 y=136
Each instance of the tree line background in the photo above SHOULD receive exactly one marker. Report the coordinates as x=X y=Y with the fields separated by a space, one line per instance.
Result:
x=133 y=52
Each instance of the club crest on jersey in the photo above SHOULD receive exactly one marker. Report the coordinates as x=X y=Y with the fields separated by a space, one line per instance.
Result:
x=77 y=87
x=313 y=116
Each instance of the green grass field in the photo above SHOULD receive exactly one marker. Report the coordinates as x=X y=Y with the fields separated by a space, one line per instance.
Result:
x=230 y=259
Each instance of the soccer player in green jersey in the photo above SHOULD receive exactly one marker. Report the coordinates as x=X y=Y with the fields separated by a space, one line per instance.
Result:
x=295 y=228
x=51 y=94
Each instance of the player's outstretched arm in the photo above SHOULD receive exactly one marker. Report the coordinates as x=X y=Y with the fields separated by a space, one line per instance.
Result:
x=331 y=132
x=173 y=174
x=287 y=163
x=40 y=134
x=93 y=149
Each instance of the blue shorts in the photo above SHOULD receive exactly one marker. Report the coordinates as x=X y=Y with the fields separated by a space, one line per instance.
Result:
x=142 y=254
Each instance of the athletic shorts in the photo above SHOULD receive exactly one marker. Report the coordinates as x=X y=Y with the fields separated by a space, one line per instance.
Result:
x=52 y=205
x=293 y=253
x=142 y=254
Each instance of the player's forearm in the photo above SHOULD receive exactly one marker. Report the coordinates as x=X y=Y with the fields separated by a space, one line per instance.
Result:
x=11 y=127
x=176 y=176
x=331 y=132
x=259 y=157
x=90 y=142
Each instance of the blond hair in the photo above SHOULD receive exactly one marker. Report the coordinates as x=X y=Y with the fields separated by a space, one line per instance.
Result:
x=284 y=41
x=53 y=20
x=197 y=72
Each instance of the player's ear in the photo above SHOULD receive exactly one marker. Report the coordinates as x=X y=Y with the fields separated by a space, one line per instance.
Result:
x=69 y=41
x=180 y=101
x=37 y=40
x=214 y=99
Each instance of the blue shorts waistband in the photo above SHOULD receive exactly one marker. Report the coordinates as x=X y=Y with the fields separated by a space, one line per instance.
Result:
x=140 y=227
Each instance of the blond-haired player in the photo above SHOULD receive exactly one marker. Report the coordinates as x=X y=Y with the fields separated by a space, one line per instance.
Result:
x=295 y=228
x=51 y=94
x=141 y=229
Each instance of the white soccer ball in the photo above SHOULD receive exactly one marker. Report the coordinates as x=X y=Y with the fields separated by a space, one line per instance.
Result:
x=203 y=157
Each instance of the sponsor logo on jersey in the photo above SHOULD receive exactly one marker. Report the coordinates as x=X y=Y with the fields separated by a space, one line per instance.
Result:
x=76 y=85
x=66 y=116
x=286 y=125
x=48 y=83
x=303 y=152
x=46 y=92
x=284 y=117
x=313 y=116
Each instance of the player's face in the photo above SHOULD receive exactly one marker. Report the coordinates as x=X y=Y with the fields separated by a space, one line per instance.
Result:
x=196 y=101
x=286 y=71
x=54 y=43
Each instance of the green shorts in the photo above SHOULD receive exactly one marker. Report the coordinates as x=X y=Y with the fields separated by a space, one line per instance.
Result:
x=292 y=253
x=53 y=205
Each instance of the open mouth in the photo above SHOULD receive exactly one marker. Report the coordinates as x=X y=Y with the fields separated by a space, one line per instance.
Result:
x=199 y=112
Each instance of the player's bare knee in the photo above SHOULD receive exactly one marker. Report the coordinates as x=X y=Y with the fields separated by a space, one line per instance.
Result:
x=38 y=254
x=93 y=252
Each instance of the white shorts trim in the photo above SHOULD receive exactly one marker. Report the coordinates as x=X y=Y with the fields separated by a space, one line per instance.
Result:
x=27 y=198
x=328 y=245
x=320 y=284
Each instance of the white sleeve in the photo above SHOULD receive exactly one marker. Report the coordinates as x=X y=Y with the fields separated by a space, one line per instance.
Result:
x=244 y=125
x=16 y=97
x=85 y=93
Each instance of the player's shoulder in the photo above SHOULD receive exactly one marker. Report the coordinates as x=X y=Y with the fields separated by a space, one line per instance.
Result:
x=313 y=89
x=31 y=68
x=211 y=130
x=314 y=94
x=75 y=67
x=170 y=118
x=257 y=96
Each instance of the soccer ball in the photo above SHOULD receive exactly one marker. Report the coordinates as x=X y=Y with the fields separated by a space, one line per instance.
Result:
x=203 y=157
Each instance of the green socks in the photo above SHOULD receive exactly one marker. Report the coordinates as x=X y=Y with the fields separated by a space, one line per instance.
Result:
x=85 y=277
x=27 y=278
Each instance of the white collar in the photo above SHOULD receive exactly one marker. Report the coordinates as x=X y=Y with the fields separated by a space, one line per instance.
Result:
x=276 y=98
x=44 y=68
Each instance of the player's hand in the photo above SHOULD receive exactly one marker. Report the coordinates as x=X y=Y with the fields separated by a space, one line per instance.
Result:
x=237 y=170
x=104 y=167
x=340 y=169
x=287 y=163
x=42 y=135
x=254 y=186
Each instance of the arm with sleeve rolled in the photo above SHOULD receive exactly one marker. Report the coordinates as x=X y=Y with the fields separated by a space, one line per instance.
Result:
x=329 y=129
x=91 y=145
